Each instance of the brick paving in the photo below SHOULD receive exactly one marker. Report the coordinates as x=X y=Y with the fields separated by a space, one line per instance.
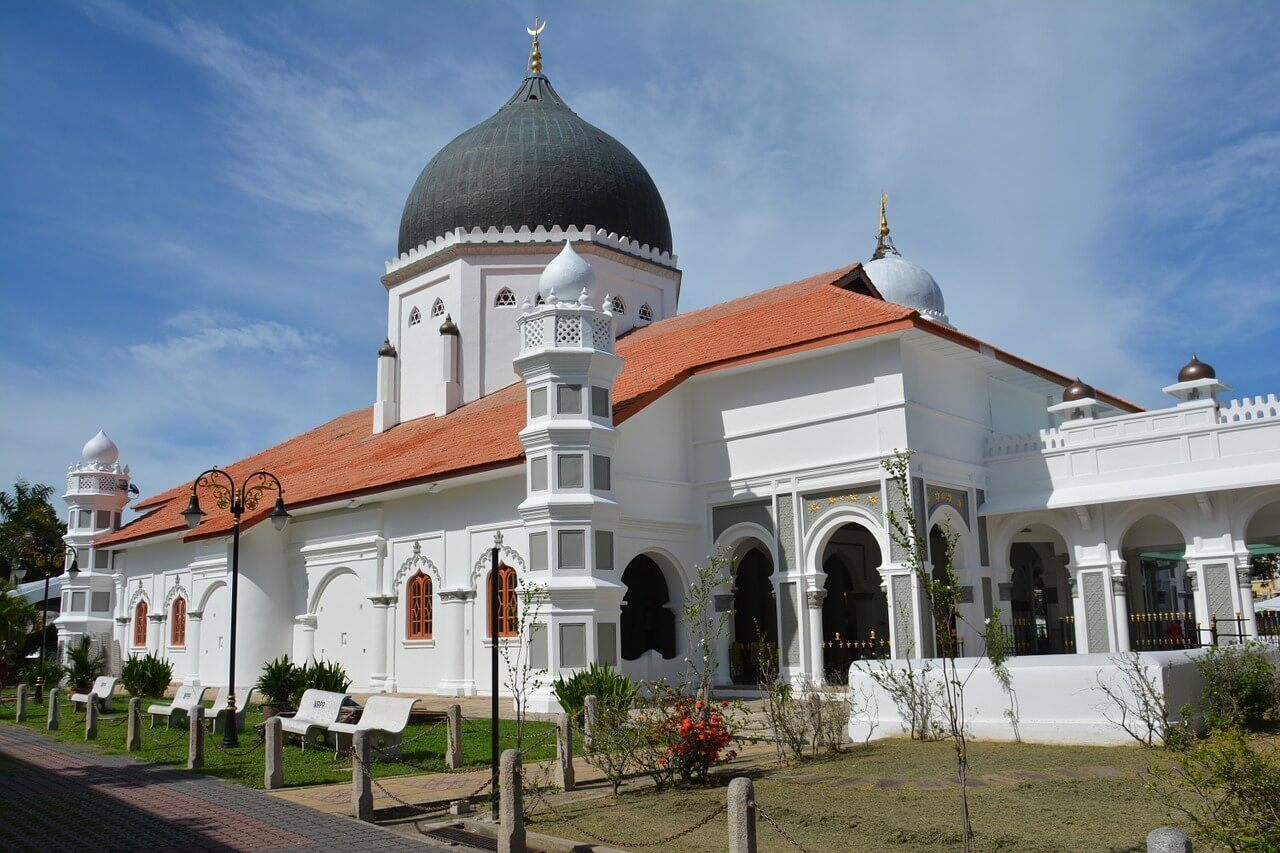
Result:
x=60 y=796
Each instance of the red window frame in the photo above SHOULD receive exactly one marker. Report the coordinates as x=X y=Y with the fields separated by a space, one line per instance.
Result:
x=418 y=615
x=140 y=625
x=506 y=601
x=178 y=623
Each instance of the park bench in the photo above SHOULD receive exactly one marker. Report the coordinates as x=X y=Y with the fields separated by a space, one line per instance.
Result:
x=187 y=697
x=103 y=687
x=317 y=711
x=384 y=717
x=218 y=713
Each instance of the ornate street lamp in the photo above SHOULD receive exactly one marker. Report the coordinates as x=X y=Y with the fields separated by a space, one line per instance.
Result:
x=238 y=500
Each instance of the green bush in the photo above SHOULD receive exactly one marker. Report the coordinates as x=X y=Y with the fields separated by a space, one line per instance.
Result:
x=612 y=689
x=54 y=672
x=280 y=681
x=84 y=664
x=146 y=676
x=1240 y=685
x=1228 y=787
x=321 y=675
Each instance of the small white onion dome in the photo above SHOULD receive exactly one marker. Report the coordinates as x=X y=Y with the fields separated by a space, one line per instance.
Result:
x=905 y=283
x=565 y=277
x=100 y=451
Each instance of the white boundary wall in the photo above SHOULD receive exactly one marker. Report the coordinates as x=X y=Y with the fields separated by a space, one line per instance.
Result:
x=1057 y=697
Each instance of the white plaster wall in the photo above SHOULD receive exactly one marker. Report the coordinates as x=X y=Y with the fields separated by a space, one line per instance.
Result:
x=342 y=630
x=1057 y=697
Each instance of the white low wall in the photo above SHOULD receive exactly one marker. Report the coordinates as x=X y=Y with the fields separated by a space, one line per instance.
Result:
x=1057 y=697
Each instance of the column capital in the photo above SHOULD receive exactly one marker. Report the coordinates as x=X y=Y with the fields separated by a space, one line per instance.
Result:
x=383 y=600
x=815 y=598
x=307 y=621
x=197 y=615
x=456 y=595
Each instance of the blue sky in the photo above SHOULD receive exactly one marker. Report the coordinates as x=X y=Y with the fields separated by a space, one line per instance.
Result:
x=196 y=199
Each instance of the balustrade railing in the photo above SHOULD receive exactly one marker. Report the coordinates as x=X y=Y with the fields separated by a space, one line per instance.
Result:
x=1159 y=631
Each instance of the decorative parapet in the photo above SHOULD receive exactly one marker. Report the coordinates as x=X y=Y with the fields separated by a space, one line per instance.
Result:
x=524 y=234
x=1249 y=409
x=566 y=325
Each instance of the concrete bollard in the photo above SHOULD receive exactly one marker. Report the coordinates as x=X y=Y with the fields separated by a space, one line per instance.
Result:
x=361 y=781
x=195 y=738
x=91 y=719
x=55 y=698
x=273 y=769
x=590 y=709
x=511 y=805
x=20 y=711
x=1168 y=839
x=133 y=738
x=742 y=817
x=564 y=752
x=453 y=750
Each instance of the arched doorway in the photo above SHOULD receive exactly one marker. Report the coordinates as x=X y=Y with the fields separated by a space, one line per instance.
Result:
x=755 y=615
x=1040 y=608
x=341 y=630
x=648 y=623
x=1262 y=538
x=1161 y=603
x=855 y=611
x=938 y=556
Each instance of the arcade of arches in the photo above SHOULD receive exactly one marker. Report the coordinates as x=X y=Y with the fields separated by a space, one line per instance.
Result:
x=1039 y=594
x=755 y=615
x=855 y=611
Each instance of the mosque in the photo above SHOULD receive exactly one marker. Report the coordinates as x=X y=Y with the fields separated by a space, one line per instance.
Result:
x=537 y=386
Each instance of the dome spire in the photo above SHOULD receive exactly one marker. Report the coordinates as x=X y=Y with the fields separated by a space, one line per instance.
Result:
x=884 y=243
x=535 y=55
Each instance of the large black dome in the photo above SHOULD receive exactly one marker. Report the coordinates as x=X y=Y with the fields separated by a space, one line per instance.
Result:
x=535 y=162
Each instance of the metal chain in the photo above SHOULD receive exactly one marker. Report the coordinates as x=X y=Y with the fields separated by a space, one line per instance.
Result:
x=389 y=756
x=241 y=752
x=615 y=842
x=355 y=759
x=166 y=745
x=796 y=844
x=423 y=734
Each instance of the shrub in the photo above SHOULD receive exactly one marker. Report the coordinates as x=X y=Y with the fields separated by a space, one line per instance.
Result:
x=321 y=675
x=84 y=664
x=1240 y=685
x=146 y=676
x=612 y=690
x=696 y=734
x=280 y=681
x=1227 y=787
x=54 y=672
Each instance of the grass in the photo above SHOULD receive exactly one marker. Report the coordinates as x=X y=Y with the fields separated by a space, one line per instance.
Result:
x=1061 y=814
x=301 y=767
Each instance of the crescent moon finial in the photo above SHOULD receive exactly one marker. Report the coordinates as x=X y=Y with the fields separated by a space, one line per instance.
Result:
x=535 y=55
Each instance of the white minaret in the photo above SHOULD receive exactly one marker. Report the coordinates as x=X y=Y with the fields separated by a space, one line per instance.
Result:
x=567 y=363
x=97 y=492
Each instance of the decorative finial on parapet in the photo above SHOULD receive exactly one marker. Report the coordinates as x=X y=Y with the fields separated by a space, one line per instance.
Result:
x=884 y=220
x=497 y=539
x=535 y=55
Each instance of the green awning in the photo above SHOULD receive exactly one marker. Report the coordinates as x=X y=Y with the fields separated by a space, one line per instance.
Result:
x=1174 y=556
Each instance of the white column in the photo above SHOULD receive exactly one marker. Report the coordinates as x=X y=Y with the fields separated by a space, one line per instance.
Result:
x=452 y=624
x=1120 y=603
x=156 y=640
x=1245 y=589
x=195 y=618
x=378 y=677
x=724 y=675
x=813 y=612
x=305 y=638
x=1200 y=600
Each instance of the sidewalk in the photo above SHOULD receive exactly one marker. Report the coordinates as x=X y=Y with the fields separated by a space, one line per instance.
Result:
x=59 y=796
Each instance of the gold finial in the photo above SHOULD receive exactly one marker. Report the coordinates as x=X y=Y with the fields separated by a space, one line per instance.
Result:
x=535 y=55
x=884 y=221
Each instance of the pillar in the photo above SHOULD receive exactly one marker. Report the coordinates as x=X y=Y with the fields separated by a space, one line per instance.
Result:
x=742 y=817
x=273 y=768
x=452 y=621
x=1248 y=614
x=564 y=752
x=91 y=718
x=453 y=750
x=20 y=711
x=1168 y=839
x=590 y=712
x=133 y=737
x=1120 y=604
x=813 y=613
x=305 y=638
x=361 y=781
x=55 y=699
x=195 y=738
x=378 y=677
x=511 y=838
x=195 y=618
x=156 y=641
x=904 y=613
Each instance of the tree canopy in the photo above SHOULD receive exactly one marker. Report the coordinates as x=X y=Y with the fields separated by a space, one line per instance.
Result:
x=30 y=530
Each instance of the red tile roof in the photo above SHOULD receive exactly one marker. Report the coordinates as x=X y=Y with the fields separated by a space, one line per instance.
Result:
x=344 y=459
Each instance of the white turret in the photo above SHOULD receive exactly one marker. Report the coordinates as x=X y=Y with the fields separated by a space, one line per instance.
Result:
x=568 y=366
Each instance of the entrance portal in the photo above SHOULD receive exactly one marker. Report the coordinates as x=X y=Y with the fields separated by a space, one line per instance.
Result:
x=855 y=611
x=647 y=620
x=755 y=617
x=1040 y=601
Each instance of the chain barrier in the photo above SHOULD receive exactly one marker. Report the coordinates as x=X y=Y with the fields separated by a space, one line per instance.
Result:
x=616 y=842
x=420 y=735
x=237 y=753
x=182 y=735
x=762 y=813
x=440 y=807
x=386 y=755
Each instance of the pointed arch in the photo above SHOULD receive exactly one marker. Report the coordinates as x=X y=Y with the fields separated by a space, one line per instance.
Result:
x=507 y=602
x=505 y=298
x=645 y=314
x=437 y=308
x=178 y=622
x=418 y=607
x=140 y=624
x=618 y=306
x=415 y=316
x=417 y=562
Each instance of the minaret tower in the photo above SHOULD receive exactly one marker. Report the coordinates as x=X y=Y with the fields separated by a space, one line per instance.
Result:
x=568 y=366
x=97 y=491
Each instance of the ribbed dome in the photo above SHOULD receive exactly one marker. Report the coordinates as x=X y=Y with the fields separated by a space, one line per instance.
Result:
x=535 y=162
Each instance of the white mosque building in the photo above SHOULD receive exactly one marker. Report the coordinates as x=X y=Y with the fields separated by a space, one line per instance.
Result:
x=538 y=382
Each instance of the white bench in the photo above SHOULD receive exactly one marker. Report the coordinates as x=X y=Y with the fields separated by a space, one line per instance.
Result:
x=187 y=697
x=103 y=687
x=384 y=717
x=317 y=711
x=218 y=713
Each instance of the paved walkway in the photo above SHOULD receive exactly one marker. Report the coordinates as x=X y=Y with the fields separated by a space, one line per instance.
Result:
x=60 y=796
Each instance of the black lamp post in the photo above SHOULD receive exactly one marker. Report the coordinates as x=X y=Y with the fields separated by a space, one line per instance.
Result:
x=496 y=629
x=44 y=617
x=236 y=499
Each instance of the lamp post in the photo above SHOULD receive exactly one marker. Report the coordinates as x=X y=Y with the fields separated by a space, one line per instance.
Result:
x=44 y=617
x=238 y=500
x=496 y=628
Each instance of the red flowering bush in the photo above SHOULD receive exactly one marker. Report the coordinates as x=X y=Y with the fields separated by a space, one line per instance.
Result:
x=693 y=736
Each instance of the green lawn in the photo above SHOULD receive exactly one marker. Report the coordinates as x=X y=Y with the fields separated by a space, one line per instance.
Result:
x=1059 y=814
x=309 y=767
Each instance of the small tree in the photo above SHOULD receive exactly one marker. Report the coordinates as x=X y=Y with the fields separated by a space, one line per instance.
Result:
x=522 y=677
x=18 y=618
x=84 y=664
x=942 y=597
